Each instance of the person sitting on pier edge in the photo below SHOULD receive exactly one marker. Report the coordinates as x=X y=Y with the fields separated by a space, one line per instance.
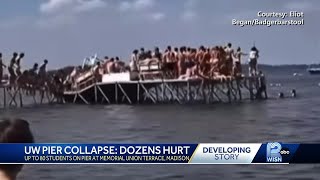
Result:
x=13 y=75
x=262 y=88
x=253 y=61
x=18 y=64
x=13 y=131
x=1 y=68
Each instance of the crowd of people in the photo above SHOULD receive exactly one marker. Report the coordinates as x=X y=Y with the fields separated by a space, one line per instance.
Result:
x=185 y=62
x=205 y=62
x=30 y=80
x=176 y=63
x=15 y=71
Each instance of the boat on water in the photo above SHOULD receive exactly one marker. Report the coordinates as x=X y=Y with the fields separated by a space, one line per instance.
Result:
x=314 y=69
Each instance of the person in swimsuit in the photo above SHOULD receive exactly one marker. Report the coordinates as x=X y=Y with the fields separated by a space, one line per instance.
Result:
x=134 y=61
x=253 y=61
x=18 y=64
x=1 y=68
x=229 y=58
x=170 y=63
x=11 y=71
x=200 y=58
x=43 y=70
x=157 y=54
x=142 y=54
x=181 y=61
x=237 y=70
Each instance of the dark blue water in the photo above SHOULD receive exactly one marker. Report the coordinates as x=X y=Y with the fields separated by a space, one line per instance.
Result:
x=286 y=120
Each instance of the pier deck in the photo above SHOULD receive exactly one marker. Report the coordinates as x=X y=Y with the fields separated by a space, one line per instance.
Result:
x=165 y=91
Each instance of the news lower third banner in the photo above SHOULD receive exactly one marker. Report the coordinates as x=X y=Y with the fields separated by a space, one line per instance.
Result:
x=222 y=153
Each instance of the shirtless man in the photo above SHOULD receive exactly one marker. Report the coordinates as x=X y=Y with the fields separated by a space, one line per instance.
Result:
x=169 y=60
x=1 y=68
x=111 y=66
x=157 y=54
x=13 y=75
x=169 y=55
x=189 y=62
x=18 y=64
x=206 y=62
x=96 y=72
x=43 y=70
x=229 y=57
x=200 y=57
x=117 y=65
x=237 y=70
x=214 y=61
x=34 y=69
x=181 y=61
x=142 y=54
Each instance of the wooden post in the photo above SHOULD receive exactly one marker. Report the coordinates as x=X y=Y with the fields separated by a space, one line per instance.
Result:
x=116 y=92
x=4 y=97
x=95 y=93
x=20 y=97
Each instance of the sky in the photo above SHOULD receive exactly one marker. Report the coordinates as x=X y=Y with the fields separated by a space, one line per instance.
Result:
x=67 y=31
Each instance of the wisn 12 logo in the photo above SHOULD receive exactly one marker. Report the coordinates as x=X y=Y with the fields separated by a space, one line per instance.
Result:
x=276 y=153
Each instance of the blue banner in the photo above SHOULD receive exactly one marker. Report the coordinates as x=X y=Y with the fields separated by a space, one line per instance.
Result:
x=203 y=153
x=96 y=153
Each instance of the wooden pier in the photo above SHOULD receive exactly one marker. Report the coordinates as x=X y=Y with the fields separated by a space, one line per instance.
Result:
x=15 y=97
x=166 y=91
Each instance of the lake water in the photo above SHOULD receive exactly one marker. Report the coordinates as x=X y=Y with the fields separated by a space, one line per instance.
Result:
x=292 y=120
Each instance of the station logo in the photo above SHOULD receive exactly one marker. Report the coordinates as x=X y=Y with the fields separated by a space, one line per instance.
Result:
x=275 y=152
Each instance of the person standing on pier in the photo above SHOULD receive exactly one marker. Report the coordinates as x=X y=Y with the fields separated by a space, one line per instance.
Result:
x=1 y=68
x=18 y=64
x=237 y=70
x=134 y=61
x=142 y=54
x=253 y=61
x=13 y=75
x=43 y=71
x=229 y=58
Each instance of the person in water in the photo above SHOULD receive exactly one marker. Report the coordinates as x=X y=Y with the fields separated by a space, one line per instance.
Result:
x=262 y=88
x=13 y=131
